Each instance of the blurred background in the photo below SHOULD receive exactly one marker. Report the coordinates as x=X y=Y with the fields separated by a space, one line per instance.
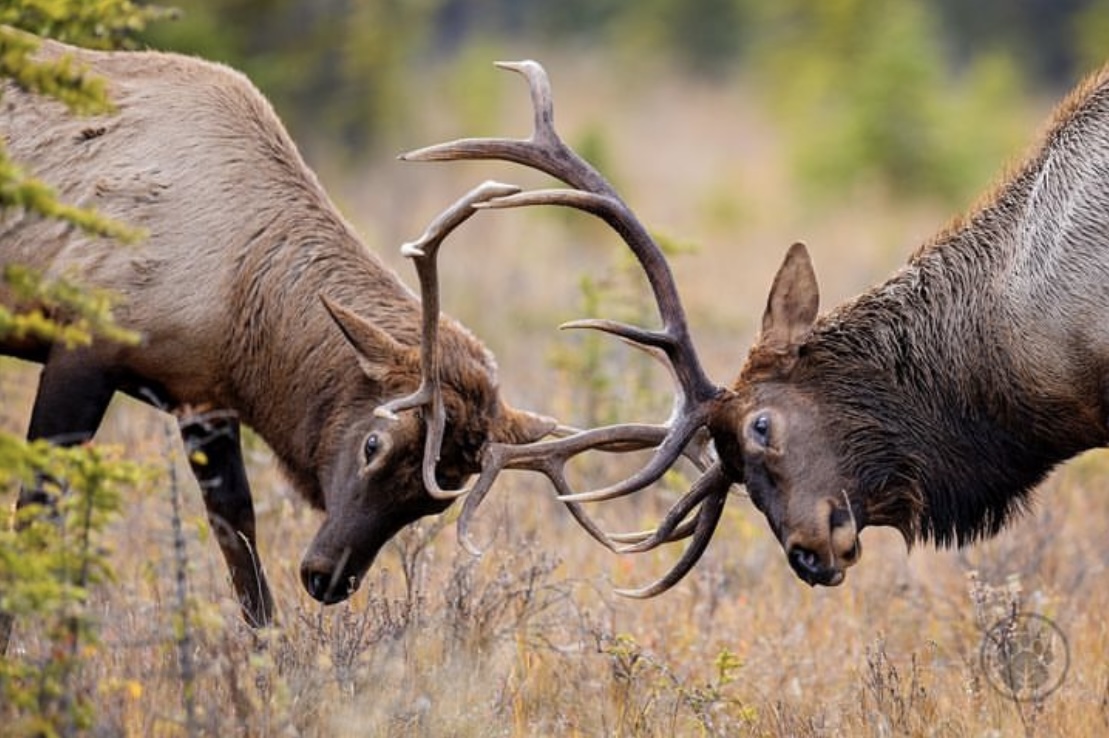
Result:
x=343 y=71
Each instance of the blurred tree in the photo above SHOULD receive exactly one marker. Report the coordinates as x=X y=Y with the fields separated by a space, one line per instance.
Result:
x=867 y=88
x=889 y=81
x=1040 y=32
x=1090 y=28
x=335 y=67
x=703 y=36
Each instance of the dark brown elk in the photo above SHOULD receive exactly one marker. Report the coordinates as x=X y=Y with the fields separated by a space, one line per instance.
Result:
x=936 y=402
x=256 y=303
x=933 y=403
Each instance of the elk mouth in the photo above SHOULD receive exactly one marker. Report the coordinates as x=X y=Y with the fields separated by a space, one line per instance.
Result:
x=330 y=573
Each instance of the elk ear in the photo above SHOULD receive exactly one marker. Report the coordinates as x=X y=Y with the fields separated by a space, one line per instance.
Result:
x=378 y=352
x=519 y=426
x=793 y=303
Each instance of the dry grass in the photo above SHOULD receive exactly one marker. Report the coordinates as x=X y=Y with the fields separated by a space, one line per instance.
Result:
x=528 y=640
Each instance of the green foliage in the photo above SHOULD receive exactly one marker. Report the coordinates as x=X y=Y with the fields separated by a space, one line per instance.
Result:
x=98 y=23
x=66 y=81
x=94 y=23
x=20 y=191
x=868 y=91
x=88 y=313
x=714 y=705
x=46 y=568
x=62 y=80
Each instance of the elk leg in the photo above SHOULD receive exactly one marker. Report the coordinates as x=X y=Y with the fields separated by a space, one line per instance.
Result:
x=215 y=455
x=73 y=394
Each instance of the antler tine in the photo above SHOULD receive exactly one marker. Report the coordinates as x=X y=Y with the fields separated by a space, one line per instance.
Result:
x=670 y=528
x=424 y=252
x=695 y=389
x=550 y=458
x=713 y=487
x=543 y=150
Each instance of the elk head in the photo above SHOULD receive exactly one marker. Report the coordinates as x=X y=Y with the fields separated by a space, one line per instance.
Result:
x=381 y=479
x=773 y=436
x=750 y=424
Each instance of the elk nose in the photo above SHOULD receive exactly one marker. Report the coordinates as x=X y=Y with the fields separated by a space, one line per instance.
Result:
x=324 y=586
x=811 y=569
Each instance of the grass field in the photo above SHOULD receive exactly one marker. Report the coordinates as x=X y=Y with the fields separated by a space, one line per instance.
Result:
x=529 y=639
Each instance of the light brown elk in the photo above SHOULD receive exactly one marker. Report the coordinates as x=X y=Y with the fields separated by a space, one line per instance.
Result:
x=256 y=303
x=933 y=403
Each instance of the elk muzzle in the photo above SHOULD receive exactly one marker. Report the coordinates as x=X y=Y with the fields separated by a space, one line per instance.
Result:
x=336 y=560
x=328 y=581
x=822 y=554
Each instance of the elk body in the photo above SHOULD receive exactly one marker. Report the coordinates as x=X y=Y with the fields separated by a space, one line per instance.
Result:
x=256 y=304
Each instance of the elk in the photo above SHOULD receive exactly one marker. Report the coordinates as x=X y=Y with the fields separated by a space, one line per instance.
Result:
x=933 y=403
x=936 y=402
x=257 y=304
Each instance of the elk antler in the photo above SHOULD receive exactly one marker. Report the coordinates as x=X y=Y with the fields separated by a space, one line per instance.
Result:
x=424 y=252
x=696 y=398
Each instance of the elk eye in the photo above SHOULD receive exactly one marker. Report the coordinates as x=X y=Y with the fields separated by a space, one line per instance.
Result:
x=761 y=429
x=369 y=450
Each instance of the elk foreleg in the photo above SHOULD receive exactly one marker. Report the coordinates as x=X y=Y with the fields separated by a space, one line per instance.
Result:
x=215 y=454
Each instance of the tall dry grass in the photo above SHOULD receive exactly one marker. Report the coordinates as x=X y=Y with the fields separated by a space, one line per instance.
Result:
x=529 y=640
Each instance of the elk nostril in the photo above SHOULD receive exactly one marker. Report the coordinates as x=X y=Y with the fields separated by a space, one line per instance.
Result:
x=811 y=569
x=317 y=583
x=326 y=586
x=805 y=562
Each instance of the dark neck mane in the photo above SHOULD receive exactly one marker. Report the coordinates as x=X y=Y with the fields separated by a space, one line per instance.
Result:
x=924 y=387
